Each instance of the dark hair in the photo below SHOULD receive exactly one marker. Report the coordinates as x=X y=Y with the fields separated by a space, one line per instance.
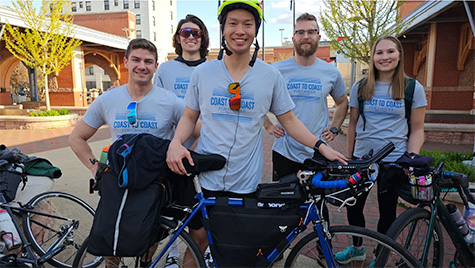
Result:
x=204 y=35
x=141 y=43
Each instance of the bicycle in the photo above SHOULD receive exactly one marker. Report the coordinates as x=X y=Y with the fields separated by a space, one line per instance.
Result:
x=418 y=229
x=55 y=224
x=316 y=248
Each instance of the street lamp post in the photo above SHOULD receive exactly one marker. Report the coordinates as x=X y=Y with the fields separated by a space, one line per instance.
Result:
x=353 y=63
x=281 y=36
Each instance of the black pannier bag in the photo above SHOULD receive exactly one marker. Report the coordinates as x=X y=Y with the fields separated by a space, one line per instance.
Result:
x=127 y=221
x=243 y=236
x=10 y=177
x=133 y=191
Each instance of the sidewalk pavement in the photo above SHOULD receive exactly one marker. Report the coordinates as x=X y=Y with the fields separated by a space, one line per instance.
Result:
x=52 y=144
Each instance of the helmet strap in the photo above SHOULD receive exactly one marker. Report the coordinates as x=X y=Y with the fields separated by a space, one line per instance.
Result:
x=224 y=48
x=254 y=55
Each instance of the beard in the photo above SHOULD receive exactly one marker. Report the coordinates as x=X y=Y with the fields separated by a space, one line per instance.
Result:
x=306 y=52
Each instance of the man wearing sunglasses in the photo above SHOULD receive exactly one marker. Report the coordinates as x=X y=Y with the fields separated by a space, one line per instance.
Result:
x=136 y=107
x=308 y=80
x=191 y=42
x=232 y=95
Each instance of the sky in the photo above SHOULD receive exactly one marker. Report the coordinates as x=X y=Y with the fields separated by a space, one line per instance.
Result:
x=277 y=15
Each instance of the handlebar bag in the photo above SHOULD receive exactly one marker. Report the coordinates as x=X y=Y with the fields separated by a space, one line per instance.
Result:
x=243 y=236
x=127 y=221
x=9 y=181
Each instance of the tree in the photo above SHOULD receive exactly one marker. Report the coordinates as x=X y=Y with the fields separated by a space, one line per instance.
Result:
x=47 y=42
x=354 y=25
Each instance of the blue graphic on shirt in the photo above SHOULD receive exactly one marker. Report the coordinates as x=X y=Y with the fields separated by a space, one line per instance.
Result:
x=181 y=86
x=220 y=99
x=384 y=105
x=145 y=123
x=305 y=89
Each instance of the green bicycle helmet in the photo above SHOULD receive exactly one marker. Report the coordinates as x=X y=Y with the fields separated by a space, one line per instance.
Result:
x=253 y=6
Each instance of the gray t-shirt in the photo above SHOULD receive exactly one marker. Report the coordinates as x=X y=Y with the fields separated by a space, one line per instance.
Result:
x=236 y=135
x=308 y=86
x=175 y=77
x=157 y=113
x=385 y=120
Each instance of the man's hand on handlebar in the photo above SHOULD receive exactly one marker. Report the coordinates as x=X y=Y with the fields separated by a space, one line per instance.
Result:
x=176 y=152
x=332 y=155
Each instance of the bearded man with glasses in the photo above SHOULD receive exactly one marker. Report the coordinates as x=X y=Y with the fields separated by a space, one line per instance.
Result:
x=308 y=80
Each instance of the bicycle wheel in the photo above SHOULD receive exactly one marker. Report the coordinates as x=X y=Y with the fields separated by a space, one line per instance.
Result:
x=44 y=232
x=184 y=241
x=307 y=252
x=410 y=229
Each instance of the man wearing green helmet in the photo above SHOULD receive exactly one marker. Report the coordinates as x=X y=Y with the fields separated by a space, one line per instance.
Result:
x=232 y=95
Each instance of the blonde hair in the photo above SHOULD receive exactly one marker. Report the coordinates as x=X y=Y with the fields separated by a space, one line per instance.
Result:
x=368 y=82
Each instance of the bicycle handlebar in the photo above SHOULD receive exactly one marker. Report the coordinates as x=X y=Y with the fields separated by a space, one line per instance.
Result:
x=355 y=165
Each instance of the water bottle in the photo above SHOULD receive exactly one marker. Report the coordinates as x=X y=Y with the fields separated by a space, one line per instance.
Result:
x=468 y=235
x=8 y=231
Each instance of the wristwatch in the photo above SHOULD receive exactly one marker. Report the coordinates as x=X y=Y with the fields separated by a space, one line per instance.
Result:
x=334 y=130
x=318 y=144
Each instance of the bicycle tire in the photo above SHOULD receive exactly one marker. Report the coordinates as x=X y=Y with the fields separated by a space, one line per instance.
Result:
x=400 y=232
x=43 y=231
x=167 y=226
x=306 y=252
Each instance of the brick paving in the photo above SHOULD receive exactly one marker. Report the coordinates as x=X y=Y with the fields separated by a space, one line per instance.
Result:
x=34 y=141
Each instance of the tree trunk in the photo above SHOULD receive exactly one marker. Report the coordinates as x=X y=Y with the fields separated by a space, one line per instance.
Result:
x=48 y=106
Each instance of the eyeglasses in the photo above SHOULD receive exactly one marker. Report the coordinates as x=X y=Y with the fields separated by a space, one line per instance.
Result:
x=185 y=32
x=132 y=116
x=309 y=32
x=235 y=102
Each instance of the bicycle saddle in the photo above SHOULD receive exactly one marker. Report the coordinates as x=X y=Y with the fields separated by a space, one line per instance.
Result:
x=204 y=162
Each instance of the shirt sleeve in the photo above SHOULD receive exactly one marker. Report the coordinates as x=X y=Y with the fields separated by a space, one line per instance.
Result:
x=94 y=116
x=157 y=80
x=419 y=99
x=192 y=94
x=338 y=89
x=354 y=96
x=281 y=100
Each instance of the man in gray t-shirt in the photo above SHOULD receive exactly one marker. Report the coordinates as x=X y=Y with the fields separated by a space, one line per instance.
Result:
x=308 y=80
x=136 y=107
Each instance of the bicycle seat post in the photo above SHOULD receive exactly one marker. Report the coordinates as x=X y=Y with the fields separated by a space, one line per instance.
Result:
x=197 y=184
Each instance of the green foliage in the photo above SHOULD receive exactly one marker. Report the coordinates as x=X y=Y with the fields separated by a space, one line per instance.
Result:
x=360 y=23
x=50 y=113
x=47 y=42
x=453 y=161
x=63 y=111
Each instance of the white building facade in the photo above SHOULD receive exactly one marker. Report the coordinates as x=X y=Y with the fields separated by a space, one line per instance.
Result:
x=155 y=19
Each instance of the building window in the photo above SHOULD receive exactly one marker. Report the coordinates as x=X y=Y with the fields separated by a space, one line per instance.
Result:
x=139 y=34
x=155 y=36
x=136 y=3
x=116 y=2
x=90 y=84
x=172 y=29
x=106 y=84
x=73 y=7
x=80 y=5
x=126 y=4
x=153 y=21
x=90 y=70
x=171 y=15
x=88 y=5
x=171 y=2
x=106 y=5
x=153 y=5
x=138 y=20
